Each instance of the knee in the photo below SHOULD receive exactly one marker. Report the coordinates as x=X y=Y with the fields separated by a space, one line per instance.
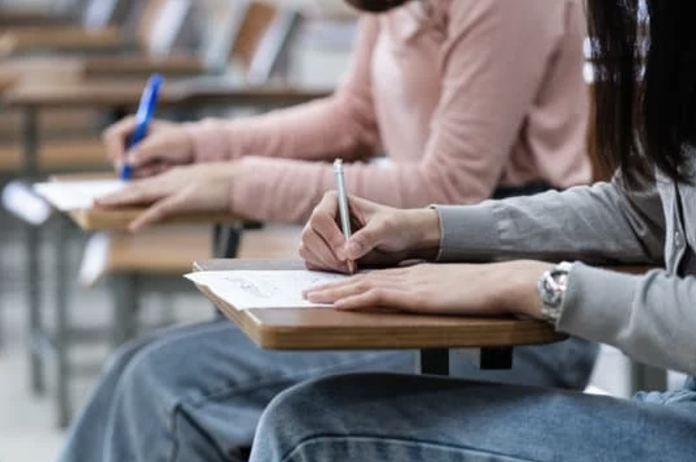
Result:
x=120 y=359
x=293 y=417
x=150 y=376
x=317 y=405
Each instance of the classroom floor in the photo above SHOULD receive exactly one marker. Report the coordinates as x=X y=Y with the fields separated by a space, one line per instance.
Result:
x=28 y=429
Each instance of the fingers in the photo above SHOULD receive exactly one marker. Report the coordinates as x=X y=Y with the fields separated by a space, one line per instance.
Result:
x=137 y=193
x=115 y=139
x=383 y=289
x=158 y=212
x=154 y=149
x=367 y=239
x=317 y=254
x=153 y=169
x=322 y=239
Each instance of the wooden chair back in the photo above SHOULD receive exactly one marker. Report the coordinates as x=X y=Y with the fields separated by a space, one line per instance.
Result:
x=162 y=24
x=254 y=36
x=99 y=14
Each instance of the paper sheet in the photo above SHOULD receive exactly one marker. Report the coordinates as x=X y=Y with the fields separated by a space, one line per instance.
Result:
x=263 y=289
x=75 y=195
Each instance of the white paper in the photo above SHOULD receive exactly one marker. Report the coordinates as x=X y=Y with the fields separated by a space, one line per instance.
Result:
x=263 y=289
x=75 y=195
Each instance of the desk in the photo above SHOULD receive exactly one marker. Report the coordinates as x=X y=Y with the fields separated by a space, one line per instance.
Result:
x=120 y=96
x=327 y=329
x=67 y=38
x=118 y=219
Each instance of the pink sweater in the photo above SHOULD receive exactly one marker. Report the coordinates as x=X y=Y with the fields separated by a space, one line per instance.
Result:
x=462 y=95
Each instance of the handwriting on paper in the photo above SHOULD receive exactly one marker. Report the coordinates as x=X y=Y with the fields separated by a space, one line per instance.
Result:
x=263 y=289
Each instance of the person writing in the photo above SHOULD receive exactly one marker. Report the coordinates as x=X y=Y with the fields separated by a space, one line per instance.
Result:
x=467 y=98
x=644 y=215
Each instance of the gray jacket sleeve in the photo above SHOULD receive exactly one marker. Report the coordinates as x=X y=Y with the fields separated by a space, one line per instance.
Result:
x=651 y=317
x=601 y=223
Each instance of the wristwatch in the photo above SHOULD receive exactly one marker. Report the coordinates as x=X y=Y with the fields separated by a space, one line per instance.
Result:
x=552 y=286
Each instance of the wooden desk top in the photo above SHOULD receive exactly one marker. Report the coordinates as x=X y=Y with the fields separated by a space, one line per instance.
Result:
x=27 y=38
x=127 y=94
x=99 y=219
x=327 y=329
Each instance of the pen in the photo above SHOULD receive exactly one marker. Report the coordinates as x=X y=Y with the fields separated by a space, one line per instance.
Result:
x=343 y=206
x=146 y=109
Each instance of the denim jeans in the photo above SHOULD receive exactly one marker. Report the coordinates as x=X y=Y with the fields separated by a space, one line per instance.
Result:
x=196 y=393
x=389 y=417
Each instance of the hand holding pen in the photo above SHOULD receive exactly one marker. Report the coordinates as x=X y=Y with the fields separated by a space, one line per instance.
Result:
x=146 y=110
x=381 y=236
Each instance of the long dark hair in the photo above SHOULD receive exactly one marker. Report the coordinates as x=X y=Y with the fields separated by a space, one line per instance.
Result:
x=645 y=91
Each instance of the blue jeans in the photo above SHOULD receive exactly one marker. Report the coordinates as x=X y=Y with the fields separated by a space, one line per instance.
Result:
x=196 y=393
x=388 y=417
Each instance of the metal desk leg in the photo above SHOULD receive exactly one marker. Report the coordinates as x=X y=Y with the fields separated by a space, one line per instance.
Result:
x=34 y=284
x=61 y=341
x=496 y=358
x=124 y=289
x=433 y=361
x=226 y=240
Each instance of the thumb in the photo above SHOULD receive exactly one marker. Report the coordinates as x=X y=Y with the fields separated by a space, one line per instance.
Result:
x=365 y=240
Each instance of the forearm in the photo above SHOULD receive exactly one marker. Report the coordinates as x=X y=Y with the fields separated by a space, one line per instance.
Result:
x=320 y=130
x=594 y=224
x=650 y=317
x=287 y=190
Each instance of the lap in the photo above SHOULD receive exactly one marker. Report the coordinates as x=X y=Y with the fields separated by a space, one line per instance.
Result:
x=410 y=418
x=202 y=360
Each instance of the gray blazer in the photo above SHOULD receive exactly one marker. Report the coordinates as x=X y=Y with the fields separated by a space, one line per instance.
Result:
x=652 y=317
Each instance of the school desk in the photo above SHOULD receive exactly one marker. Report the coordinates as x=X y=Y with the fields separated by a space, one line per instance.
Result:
x=122 y=97
x=329 y=329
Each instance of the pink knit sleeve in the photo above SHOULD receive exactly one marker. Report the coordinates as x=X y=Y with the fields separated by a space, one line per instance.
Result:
x=493 y=64
x=342 y=125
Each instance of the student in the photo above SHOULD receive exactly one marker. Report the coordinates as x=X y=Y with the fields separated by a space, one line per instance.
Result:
x=645 y=215
x=467 y=98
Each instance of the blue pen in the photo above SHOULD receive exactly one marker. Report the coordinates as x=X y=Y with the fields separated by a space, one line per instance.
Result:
x=146 y=109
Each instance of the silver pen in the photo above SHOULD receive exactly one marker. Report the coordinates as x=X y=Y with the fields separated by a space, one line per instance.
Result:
x=343 y=210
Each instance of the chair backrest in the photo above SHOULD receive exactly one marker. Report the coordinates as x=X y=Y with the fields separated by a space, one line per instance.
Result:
x=253 y=35
x=163 y=24
x=98 y=14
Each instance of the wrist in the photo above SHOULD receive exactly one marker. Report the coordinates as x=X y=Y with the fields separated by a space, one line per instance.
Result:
x=426 y=239
x=521 y=294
